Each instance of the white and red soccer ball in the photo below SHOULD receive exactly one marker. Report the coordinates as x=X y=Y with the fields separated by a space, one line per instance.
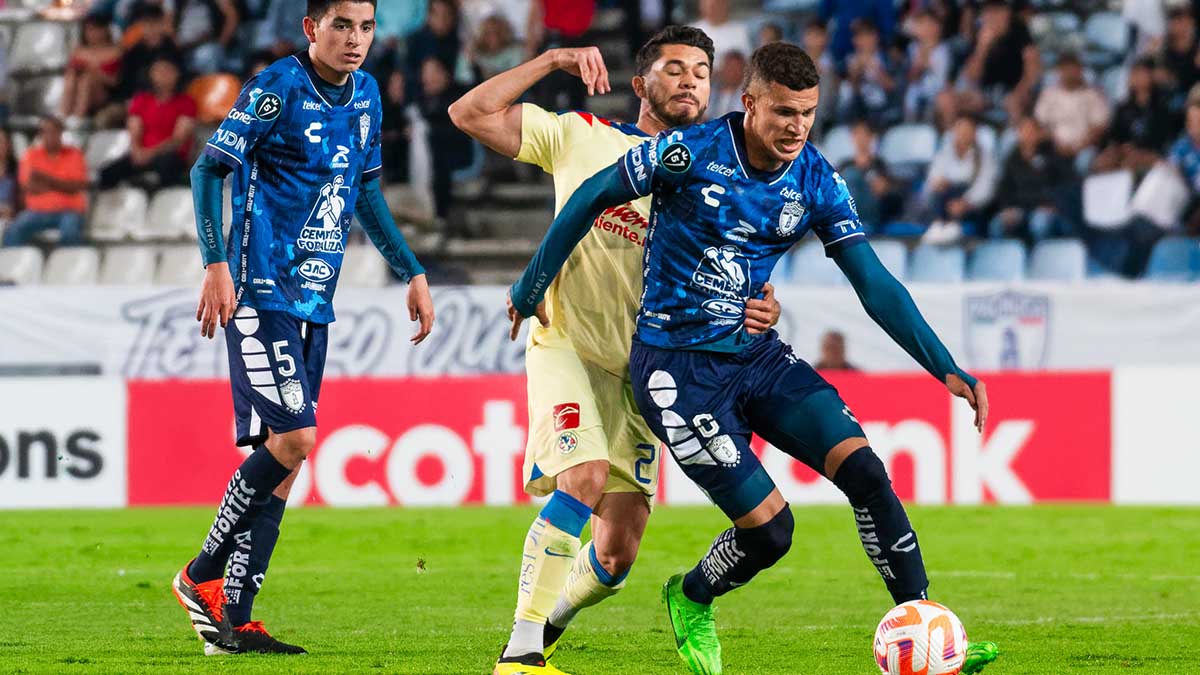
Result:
x=920 y=637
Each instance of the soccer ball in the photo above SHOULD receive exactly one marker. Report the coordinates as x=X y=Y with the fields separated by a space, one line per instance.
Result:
x=920 y=638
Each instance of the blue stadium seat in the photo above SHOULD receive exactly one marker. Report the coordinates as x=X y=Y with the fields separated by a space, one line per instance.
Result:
x=837 y=145
x=1174 y=259
x=1059 y=260
x=998 y=260
x=1107 y=36
x=908 y=148
x=894 y=256
x=807 y=264
x=936 y=264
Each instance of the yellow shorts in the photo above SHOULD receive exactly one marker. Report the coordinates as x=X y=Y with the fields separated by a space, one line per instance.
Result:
x=580 y=413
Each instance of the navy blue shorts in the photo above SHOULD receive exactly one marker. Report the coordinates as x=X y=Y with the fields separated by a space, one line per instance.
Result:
x=275 y=366
x=705 y=405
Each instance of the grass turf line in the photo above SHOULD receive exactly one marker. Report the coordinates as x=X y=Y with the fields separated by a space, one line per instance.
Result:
x=1063 y=589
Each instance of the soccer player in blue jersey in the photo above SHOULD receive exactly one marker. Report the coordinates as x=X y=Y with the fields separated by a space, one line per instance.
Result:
x=730 y=197
x=303 y=145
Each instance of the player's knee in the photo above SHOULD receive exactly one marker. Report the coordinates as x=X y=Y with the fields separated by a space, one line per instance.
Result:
x=773 y=539
x=585 y=482
x=862 y=476
x=617 y=561
x=293 y=447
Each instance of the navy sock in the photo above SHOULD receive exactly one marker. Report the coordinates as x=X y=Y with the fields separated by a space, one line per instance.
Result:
x=254 y=480
x=883 y=527
x=249 y=560
x=737 y=555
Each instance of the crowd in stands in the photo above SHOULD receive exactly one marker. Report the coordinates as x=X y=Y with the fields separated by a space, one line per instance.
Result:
x=950 y=121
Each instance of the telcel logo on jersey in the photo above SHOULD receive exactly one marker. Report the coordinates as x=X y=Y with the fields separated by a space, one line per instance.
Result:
x=720 y=169
x=363 y=104
x=312 y=105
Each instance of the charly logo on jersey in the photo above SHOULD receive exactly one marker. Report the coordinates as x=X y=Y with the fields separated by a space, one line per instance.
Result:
x=789 y=218
x=323 y=232
x=267 y=106
x=677 y=158
x=725 y=272
x=364 y=130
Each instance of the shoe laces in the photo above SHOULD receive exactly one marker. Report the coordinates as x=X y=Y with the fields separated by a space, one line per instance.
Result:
x=253 y=627
x=213 y=595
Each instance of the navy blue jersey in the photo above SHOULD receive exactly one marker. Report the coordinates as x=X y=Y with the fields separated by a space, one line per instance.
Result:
x=299 y=161
x=718 y=227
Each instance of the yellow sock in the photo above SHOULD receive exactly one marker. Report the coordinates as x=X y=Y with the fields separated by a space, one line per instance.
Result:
x=584 y=588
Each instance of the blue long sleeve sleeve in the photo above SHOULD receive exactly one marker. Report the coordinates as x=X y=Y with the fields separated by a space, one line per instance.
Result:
x=376 y=219
x=887 y=302
x=607 y=188
x=208 y=188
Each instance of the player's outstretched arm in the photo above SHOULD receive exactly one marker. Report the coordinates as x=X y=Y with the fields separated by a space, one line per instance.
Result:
x=217 y=298
x=381 y=228
x=607 y=188
x=892 y=307
x=490 y=114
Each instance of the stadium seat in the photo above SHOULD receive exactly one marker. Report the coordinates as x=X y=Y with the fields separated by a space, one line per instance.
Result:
x=807 y=264
x=1059 y=260
x=20 y=265
x=998 y=260
x=1106 y=199
x=1174 y=259
x=128 y=266
x=171 y=215
x=936 y=264
x=179 y=265
x=104 y=146
x=908 y=148
x=38 y=47
x=118 y=214
x=34 y=97
x=894 y=256
x=837 y=145
x=215 y=95
x=1107 y=36
x=72 y=266
x=363 y=267
x=1115 y=82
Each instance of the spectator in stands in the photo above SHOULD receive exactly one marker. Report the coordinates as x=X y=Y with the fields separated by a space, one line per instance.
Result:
x=92 y=72
x=868 y=179
x=844 y=13
x=493 y=51
x=1142 y=127
x=9 y=195
x=1185 y=155
x=727 y=92
x=397 y=130
x=833 y=352
x=1073 y=113
x=205 y=30
x=960 y=183
x=54 y=181
x=160 y=123
x=281 y=32
x=517 y=13
x=1034 y=184
x=816 y=43
x=928 y=66
x=450 y=149
x=871 y=87
x=770 y=32
x=1180 y=61
x=1004 y=66
x=728 y=35
x=153 y=41
x=395 y=21
x=437 y=40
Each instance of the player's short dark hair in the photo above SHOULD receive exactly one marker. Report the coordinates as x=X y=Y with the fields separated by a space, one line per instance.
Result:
x=785 y=63
x=317 y=8
x=673 y=35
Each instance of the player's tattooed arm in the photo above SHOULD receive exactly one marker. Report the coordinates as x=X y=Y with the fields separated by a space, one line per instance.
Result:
x=891 y=306
x=608 y=187
x=490 y=114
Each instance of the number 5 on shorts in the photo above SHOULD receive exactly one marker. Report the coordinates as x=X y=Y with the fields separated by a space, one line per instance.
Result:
x=287 y=365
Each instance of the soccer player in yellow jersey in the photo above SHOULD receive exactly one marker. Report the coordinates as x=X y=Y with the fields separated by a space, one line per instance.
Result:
x=588 y=447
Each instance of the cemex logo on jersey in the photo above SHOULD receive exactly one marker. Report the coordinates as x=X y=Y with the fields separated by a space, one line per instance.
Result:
x=566 y=416
x=724 y=271
x=323 y=232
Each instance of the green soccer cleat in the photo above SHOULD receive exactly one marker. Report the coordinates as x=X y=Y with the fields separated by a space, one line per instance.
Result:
x=695 y=630
x=979 y=655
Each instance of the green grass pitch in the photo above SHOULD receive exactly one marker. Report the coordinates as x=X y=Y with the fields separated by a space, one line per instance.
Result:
x=1063 y=589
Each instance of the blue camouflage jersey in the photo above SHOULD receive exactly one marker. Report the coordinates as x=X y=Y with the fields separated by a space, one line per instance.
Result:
x=719 y=226
x=298 y=162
